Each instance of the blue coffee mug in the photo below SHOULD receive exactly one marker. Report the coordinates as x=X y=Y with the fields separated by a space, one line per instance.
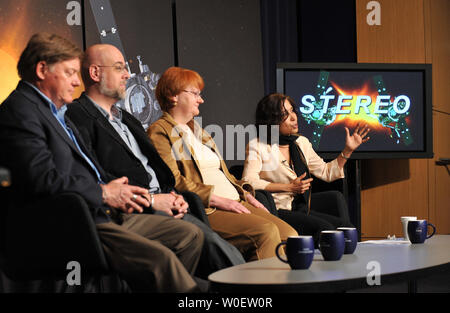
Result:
x=299 y=252
x=351 y=239
x=332 y=244
x=417 y=231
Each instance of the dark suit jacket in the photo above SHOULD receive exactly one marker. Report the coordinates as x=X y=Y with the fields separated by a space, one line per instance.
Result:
x=42 y=158
x=112 y=152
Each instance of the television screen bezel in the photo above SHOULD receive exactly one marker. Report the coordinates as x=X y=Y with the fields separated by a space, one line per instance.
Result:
x=399 y=67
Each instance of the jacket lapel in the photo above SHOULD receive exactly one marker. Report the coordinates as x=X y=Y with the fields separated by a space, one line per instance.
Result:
x=84 y=148
x=102 y=121
x=206 y=140
x=44 y=109
x=177 y=134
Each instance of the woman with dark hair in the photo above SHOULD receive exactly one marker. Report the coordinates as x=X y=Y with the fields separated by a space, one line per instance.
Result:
x=284 y=166
x=192 y=155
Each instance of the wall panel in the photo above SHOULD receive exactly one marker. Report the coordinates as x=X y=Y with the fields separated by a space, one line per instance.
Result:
x=396 y=40
x=411 y=31
x=222 y=41
x=145 y=29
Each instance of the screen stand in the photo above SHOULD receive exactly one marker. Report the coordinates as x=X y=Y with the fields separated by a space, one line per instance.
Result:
x=354 y=193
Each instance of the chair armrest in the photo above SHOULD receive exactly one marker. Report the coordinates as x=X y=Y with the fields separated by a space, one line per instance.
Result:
x=265 y=197
x=196 y=206
x=42 y=237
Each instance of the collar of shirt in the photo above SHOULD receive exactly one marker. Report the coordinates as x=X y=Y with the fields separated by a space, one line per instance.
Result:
x=59 y=113
x=115 y=110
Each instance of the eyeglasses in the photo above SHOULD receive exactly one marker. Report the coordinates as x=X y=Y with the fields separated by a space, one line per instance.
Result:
x=195 y=93
x=117 y=67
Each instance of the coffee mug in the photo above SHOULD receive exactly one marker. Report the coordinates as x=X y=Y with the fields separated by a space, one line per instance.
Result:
x=405 y=220
x=417 y=231
x=351 y=239
x=299 y=251
x=332 y=244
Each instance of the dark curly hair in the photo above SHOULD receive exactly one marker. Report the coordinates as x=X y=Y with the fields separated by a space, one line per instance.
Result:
x=270 y=111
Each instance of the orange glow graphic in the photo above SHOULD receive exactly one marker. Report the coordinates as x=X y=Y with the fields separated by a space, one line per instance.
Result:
x=12 y=31
x=19 y=20
x=351 y=119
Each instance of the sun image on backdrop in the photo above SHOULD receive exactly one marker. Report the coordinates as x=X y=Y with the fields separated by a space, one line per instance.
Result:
x=19 y=20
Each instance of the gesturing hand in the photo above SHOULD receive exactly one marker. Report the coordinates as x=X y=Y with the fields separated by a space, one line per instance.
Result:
x=301 y=185
x=352 y=142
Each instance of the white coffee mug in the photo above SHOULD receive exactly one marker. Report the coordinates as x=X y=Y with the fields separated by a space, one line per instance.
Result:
x=405 y=220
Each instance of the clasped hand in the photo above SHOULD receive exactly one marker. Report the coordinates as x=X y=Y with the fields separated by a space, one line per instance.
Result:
x=128 y=198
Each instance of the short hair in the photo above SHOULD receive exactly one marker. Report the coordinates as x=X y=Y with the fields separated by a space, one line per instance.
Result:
x=270 y=111
x=46 y=47
x=172 y=82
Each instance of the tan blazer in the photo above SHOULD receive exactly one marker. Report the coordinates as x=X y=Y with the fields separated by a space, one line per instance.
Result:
x=174 y=149
x=265 y=164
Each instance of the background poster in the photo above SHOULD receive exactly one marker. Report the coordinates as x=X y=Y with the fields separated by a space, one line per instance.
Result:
x=20 y=19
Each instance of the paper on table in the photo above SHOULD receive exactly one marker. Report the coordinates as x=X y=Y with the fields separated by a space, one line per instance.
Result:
x=399 y=241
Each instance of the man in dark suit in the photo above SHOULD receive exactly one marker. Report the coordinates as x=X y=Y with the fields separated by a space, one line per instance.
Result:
x=120 y=144
x=46 y=157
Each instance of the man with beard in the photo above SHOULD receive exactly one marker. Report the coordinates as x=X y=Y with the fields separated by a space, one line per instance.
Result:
x=122 y=147
x=47 y=157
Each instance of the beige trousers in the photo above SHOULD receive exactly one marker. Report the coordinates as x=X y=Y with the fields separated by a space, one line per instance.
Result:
x=153 y=253
x=256 y=235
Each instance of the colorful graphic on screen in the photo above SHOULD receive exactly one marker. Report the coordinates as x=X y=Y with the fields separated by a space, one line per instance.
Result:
x=391 y=103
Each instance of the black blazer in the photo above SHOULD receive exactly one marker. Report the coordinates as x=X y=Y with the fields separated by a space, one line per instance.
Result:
x=43 y=160
x=112 y=152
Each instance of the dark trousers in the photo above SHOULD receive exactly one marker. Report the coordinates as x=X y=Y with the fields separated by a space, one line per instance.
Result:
x=217 y=253
x=328 y=211
x=153 y=253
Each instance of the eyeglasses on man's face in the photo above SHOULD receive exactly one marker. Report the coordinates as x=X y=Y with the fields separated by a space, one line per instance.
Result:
x=118 y=67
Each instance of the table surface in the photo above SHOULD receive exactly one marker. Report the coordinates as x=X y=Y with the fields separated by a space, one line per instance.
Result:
x=396 y=262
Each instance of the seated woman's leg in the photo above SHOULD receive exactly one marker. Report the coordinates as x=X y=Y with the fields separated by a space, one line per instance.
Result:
x=254 y=235
x=333 y=220
x=331 y=203
x=284 y=228
x=306 y=224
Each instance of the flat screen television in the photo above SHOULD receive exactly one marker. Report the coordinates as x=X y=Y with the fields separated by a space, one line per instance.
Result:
x=393 y=99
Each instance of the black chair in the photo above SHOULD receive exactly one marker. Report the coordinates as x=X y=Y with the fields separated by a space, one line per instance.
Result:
x=196 y=207
x=262 y=196
x=38 y=240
